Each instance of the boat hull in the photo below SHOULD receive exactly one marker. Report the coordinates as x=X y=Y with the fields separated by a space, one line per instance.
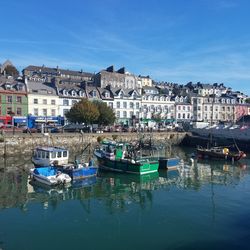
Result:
x=127 y=166
x=81 y=173
x=49 y=176
x=206 y=153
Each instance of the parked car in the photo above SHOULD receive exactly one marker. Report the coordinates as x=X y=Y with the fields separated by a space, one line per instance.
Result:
x=76 y=128
x=30 y=130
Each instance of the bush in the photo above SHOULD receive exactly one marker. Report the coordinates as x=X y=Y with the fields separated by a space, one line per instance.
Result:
x=114 y=137
x=100 y=139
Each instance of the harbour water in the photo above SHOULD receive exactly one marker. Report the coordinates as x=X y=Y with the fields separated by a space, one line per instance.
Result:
x=201 y=206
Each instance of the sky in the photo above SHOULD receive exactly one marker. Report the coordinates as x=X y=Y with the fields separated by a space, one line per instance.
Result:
x=177 y=41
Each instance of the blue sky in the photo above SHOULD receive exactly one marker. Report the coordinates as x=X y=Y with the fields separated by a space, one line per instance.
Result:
x=172 y=40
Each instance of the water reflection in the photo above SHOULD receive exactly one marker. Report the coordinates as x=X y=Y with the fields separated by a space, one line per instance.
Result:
x=117 y=191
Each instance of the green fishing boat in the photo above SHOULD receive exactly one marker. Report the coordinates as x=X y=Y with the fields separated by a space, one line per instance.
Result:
x=121 y=157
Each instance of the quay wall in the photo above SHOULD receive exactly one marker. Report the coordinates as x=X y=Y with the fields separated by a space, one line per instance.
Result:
x=23 y=144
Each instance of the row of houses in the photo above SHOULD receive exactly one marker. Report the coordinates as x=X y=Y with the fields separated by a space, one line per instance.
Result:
x=51 y=92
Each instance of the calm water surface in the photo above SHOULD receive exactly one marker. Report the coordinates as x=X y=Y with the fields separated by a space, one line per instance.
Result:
x=204 y=206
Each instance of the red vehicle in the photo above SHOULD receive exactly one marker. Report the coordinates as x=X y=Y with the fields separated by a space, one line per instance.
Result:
x=5 y=119
x=10 y=128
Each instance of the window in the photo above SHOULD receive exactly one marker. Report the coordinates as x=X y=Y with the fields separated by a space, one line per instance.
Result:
x=9 y=110
x=131 y=114
x=66 y=102
x=205 y=108
x=36 y=112
x=9 y=99
x=53 y=112
x=179 y=116
x=124 y=105
x=118 y=105
x=65 y=154
x=184 y=107
x=183 y=116
x=131 y=105
x=106 y=94
x=35 y=101
x=125 y=114
x=118 y=114
x=137 y=105
x=18 y=111
x=44 y=112
x=19 y=99
x=53 y=102
x=44 y=101
x=111 y=104
x=59 y=154
x=93 y=93
x=179 y=107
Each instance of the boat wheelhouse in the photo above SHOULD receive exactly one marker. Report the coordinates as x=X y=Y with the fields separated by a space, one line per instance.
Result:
x=46 y=156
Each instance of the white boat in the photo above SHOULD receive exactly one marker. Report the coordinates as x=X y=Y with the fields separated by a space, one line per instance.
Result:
x=46 y=156
x=49 y=176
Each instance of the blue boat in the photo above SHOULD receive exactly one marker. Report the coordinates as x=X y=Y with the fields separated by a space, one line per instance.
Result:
x=168 y=163
x=78 y=171
x=49 y=176
x=58 y=157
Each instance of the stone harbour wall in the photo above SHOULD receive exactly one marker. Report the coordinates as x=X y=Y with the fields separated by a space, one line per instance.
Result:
x=23 y=144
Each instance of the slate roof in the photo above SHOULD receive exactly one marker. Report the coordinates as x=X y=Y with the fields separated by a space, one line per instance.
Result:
x=42 y=88
x=56 y=71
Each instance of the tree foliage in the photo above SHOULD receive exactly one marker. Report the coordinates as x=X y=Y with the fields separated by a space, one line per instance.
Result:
x=10 y=70
x=107 y=115
x=83 y=112
x=157 y=117
x=248 y=100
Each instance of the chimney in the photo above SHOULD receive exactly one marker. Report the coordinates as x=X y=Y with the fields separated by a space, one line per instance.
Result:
x=110 y=69
x=121 y=70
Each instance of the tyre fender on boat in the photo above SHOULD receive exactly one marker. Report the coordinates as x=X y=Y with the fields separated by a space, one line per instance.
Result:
x=225 y=151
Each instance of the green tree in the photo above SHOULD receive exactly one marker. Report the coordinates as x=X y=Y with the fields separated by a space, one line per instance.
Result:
x=248 y=100
x=107 y=115
x=157 y=118
x=11 y=71
x=83 y=112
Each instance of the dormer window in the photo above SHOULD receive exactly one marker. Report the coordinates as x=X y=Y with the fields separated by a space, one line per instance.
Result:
x=8 y=86
x=65 y=92
x=106 y=94
x=223 y=100
x=93 y=93
x=73 y=93
x=80 y=93
x=121 y=95
x=19 y=87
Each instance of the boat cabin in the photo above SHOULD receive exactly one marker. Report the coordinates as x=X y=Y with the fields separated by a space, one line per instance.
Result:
x=115 y=150
x=45 y=156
